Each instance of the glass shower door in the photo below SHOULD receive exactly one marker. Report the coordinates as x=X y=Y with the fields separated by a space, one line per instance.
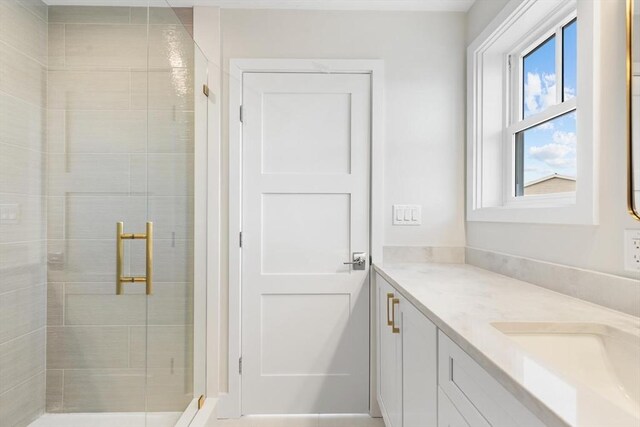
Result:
x=121 y=140
x=97 y=140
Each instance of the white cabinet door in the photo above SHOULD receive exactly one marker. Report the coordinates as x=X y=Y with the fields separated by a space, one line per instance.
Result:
x=448 y=415
x=389 y=357
x=419 y=368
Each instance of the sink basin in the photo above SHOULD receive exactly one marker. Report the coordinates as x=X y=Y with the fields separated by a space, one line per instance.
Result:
x=604 y=358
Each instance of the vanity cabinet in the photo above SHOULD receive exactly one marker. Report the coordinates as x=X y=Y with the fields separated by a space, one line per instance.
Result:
x=427 y=380
x=407 y=361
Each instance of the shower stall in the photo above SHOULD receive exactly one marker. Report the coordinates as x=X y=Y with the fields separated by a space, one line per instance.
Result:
x=98 y=129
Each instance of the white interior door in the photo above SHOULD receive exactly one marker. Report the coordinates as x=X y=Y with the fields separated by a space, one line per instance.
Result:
x=305 y=314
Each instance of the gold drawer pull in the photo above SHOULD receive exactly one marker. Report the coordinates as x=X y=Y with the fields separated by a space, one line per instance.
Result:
x=394 y=329
x=120 y=237
x=389 y=297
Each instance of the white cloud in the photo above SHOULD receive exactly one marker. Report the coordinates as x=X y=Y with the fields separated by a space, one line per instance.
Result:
x=539 y=92
x=569 y=93
x=565 y=138
x=545 y=126
x=560 y=153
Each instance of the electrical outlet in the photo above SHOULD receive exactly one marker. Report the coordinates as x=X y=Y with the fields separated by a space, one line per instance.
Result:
x=9 y=214
x=632 y=250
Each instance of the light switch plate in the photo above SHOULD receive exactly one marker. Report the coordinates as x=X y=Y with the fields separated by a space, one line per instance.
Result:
x=632 y=250
x=407 y=215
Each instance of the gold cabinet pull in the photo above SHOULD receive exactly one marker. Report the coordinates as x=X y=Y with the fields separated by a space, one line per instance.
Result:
x=389 y=297
x=394 y=329
x=120 y=237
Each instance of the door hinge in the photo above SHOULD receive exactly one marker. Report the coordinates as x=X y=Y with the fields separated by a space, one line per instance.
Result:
x=205 y=90
x=370 y=260
x=509 y=62
x=241 y=118
x=240 y=239
x=240 y=366
x=201 y=402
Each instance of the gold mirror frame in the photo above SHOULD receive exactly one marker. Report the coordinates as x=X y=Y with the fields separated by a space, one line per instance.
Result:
x=631 y=205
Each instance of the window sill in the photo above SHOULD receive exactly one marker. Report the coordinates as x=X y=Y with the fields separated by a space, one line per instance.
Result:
x=562 y=210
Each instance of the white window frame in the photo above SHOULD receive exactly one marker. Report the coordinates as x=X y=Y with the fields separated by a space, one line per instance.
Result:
x=490 y=151
x=518 y=124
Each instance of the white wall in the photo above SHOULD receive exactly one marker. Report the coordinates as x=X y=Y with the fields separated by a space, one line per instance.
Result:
x=598 y=247
x=424 y=102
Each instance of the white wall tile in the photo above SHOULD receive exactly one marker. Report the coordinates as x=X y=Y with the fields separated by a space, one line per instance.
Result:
x=81 y=260
x=84 y=347
x=22 y=124
x=38 y=7
x=106 y=45
x=104 y=390
x=171 y=131
x=22 y=311
x=162 y=347
x=170 y=46
x=20 y=358
x=89 y=89
x=107 y=131
x=56 y=49
x=23 y=30
x=86 y=174
x=24 y=265
x=105 y=309
x=89 y=14
x=55 y=378
x=24 y=403
x=21 y=170
x=162 y=89
x=55 y=303
x=169 y=389
x=95 y=217
x=22 y=77
x=170 y=304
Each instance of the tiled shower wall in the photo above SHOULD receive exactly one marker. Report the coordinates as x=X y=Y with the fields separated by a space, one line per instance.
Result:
x=120 y=135
x=23 y=61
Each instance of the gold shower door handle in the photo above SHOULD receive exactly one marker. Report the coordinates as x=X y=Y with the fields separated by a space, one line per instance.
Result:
x=120 y=237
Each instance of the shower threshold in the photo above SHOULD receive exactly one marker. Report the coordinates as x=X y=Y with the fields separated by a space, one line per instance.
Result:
x=109 y=419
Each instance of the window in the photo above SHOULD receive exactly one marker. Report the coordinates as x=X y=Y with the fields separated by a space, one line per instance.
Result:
x=533 y=114
x=544 y=108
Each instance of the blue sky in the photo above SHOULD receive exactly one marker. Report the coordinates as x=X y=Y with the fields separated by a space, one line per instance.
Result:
x=551 y=146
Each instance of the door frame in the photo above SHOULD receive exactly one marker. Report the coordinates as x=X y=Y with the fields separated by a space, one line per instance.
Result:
x=230 y=404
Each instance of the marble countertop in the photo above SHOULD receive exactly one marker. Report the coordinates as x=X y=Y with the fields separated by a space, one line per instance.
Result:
x=463 y=301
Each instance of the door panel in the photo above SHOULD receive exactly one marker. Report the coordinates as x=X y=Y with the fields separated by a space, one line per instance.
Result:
x=305 y=333
x=319 y=223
